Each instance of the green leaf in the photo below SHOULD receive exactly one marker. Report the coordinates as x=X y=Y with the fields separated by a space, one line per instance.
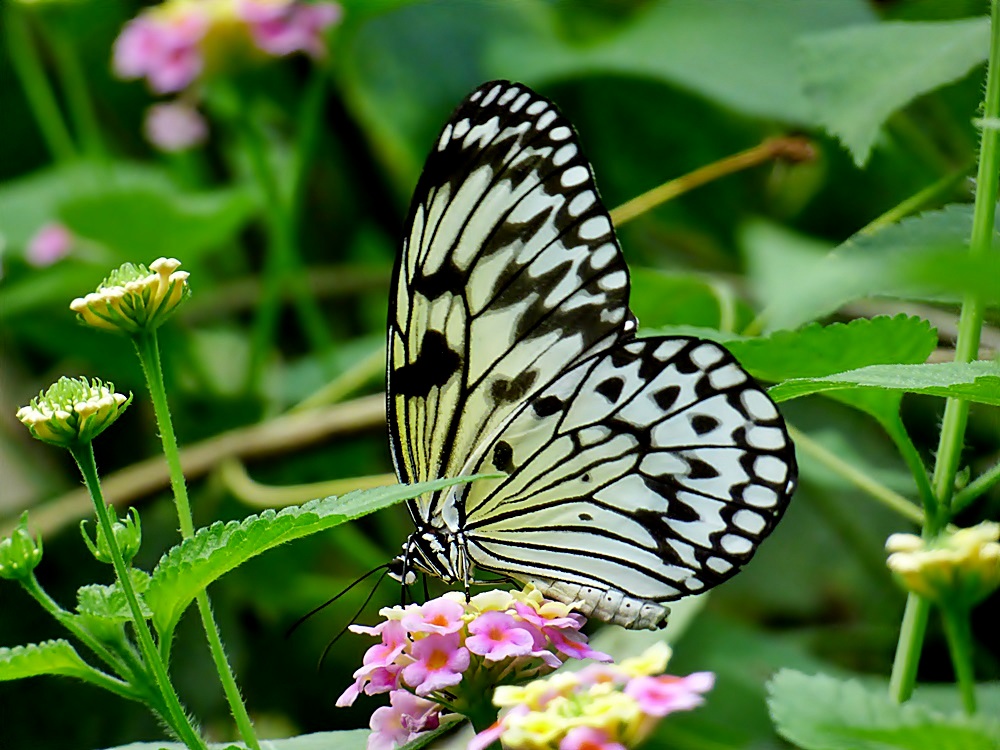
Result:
x=922 y=257
x=661 y=299
x=974 y=381
x=735 y=53
x=109 y=602
x=147 y=223
x=856 y=77
x=818 y=351
x=192 y=565
x=777 y=259
x=818 y=712
x=49 y=657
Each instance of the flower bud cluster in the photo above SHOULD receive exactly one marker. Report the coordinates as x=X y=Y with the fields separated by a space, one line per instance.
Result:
x=961 y=567
x=601 y=707
x=20 y=552
x=126 y=531
x=73 y=411
x=134 y=299
x=452 y=651
x=172 y=44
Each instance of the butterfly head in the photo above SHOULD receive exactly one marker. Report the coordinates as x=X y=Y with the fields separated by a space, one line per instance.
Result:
x=426 y=551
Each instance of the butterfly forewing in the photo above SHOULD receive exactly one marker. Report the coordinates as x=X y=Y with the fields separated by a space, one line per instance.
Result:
x=510 y=271
x=636 y=470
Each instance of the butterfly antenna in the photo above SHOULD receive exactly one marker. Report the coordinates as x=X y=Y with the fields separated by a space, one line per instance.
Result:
x=328 y=602
x=371 y=595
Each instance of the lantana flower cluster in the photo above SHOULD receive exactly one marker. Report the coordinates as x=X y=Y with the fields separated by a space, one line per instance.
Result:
x=601 y=707
x=172 y=44
x=448 y=654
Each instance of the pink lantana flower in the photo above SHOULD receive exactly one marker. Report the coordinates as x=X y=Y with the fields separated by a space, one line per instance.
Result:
x=588 y=738
x=401 y=721
x=664 y=694
x=497 y=636
x=174 y=126
x=164 y=49
x=280 y=27
x=378 y=675
x=440 y=661
x=441 y=616
x=50 y=243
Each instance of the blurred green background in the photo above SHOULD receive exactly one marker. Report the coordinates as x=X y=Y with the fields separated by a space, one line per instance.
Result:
x=655 y=89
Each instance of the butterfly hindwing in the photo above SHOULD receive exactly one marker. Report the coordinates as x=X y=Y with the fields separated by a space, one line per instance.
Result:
x=510 y=270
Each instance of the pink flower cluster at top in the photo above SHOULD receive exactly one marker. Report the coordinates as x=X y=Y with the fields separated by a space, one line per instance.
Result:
x=428 y=649
x=166 y=44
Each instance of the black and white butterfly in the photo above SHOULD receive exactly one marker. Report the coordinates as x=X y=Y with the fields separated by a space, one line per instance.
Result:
x=637 y=470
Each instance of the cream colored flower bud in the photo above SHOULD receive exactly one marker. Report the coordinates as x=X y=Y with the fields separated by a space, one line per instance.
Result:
x=73 y=411
x=962 y=567
x=134 y=299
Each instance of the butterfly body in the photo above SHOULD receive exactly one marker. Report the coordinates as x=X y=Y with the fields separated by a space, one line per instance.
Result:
x=636 y=470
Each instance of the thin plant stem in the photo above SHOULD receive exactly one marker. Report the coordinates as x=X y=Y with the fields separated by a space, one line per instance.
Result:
x=904 y=444
x=956 y=411
x=282 y=267
x=959 y=636
x=37 y=89
x=918 y=200
x=68 y=621
x=788 y=148
x=908 y=648
x=976 y=488
x=178 y=718
x=149 y=355
x=76 y=90
x=858 y=478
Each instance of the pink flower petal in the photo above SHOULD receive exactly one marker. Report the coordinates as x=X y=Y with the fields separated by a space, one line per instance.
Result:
x=497 y=635
x=175 y=126
x=588 y=738
x=50 y=243
x=659 y=696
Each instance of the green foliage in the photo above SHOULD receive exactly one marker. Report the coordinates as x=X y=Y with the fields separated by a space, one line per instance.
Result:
x=918 y=258
x=47 y=658
x=856 y=77
x=212 y=552
x=972 y=381
x=107 y=604
x=353 y=739
x=819 y=712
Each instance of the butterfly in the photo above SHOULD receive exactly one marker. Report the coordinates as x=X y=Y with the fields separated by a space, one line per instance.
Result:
x=634 y=470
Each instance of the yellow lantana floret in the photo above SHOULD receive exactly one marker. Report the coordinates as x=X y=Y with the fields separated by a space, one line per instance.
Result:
x=134 y=299
x=961 y=566
x=73 y=411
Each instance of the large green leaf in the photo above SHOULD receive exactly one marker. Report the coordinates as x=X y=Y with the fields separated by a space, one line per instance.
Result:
x=973 y=381
x=50 y=657
x=146 y=223
x=661 y=299
x=819 y=712
x=736 y=53
x=817 y=351
x=854 y=78
x=191 y=566
x=922 y=257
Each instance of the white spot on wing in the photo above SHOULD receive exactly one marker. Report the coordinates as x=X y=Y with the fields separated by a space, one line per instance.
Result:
x=536 y=107
x=508 y=95
x=445 y=137
x=521 y=101
x=760 y=497
x=770 y=468
x=726 y=376
x=461 y=128
x=564 y=154
x=765 y=438
x=602 y=256
x=545 y=120
x=758 y=405
x=735 y=545
x=705 y=356
x=573 y=176
x=488 y=99
x=560 y=133
x=581 y=202
x=747 y=520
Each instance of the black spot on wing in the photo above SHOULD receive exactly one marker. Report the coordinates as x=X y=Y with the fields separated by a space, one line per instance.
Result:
x=503 y=456
x=515 y=389
x=433 y=366
x=703 y=423
x=611 y=389
x=546 y=407
x=447 y=279
x=666 y=397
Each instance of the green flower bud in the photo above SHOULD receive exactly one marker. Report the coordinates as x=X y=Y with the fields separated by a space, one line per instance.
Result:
x=20 y=553
x=134 y=299
x=127 y=533
x=73 y=411
x=960 y=567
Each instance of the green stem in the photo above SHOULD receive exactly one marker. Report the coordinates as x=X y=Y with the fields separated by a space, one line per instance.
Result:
x=904 y=444
x=76 y=90
x=977 y=487
x=41 y=98
x=283 y=268
x=908 y=648
x=179 y=722
x=68 y=621
x=858 y=478
x=956 y=411
x=149 y=355
x=959 y=635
